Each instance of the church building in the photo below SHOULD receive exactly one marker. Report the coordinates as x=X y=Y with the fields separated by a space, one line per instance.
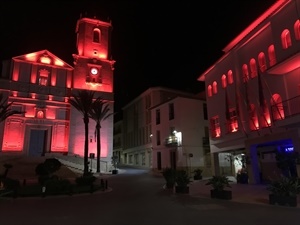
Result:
x=40 y=84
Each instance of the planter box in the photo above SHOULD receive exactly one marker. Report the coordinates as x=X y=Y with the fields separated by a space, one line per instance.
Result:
x=283 y=200
x=169 y=185
x=182 y=190
x=224 y=194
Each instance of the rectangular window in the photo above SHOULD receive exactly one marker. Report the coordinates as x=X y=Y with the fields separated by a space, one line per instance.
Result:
x=215 y=127
x=171 y=111
x=205 y=111
x=157 y=137
x=157 y=116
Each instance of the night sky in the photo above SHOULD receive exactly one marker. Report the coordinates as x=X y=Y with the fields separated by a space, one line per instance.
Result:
x=154 y=43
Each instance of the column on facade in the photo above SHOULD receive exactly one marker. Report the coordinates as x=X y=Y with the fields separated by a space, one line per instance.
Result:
x=253 y=164
x=215 y=164
x=296 y=143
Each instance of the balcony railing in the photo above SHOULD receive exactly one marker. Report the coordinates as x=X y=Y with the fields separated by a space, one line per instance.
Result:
x=285 y=109
x=171 y=141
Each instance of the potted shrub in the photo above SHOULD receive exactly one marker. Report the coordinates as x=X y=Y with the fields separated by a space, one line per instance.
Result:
x=218 y=184
x=182 y=181
x=284 y=191
x=114 y=161
x=198 y=174
x=169 y=175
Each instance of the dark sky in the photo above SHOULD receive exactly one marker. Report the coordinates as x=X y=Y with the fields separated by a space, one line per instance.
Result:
x=154 y=43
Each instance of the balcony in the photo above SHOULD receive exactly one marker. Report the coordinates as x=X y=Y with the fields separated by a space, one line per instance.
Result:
x=171 y=141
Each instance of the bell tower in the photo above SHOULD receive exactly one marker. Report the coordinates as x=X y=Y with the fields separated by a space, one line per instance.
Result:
x=93 y=68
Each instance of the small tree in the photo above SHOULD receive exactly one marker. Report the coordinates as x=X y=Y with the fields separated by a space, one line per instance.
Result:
x=99 y=112
x=83 y=103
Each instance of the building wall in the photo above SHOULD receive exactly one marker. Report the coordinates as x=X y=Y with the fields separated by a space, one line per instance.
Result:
x=137 y=125
x=255 y=99
x=40 y=84
x=189 y=124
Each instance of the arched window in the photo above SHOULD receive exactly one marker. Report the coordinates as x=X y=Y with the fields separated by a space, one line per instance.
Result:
x=253 y=119
x=265 y=117
x=215 y=87
x=40 y=114
x=209 y=90
x=96 y=35
x=245 y=73
x=286 y=39
x=215 y=127
x=271 y=54
x=230 y=77
x=253 y=68
x=224 y=81
x=297 y=30
x=277 y=107
x=262 y=62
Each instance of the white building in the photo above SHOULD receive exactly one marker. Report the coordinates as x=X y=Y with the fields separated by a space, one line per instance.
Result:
x=180 y=134
x=138 y=125
x=253 y=94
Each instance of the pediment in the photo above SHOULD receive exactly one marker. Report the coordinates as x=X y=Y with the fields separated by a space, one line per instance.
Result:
x=43 y=57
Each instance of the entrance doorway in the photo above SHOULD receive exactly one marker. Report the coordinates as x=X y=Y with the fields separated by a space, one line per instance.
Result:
x=37 y=142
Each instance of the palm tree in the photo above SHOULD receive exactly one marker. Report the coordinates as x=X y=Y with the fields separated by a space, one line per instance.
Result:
x=99 y=112
x=5 y=109
x=83 y=102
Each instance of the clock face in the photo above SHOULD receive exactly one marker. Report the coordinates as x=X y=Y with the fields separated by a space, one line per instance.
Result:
x=94 y=71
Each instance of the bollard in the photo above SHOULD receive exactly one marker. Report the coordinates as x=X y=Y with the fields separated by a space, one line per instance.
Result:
x=106 y=185
x=43 y=191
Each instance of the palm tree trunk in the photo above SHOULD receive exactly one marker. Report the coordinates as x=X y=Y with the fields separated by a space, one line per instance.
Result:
x=98 y=146
x=86 y=144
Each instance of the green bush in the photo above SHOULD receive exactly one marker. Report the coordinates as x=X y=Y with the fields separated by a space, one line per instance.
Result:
x=56 y=186
x=11 y=184
x=182 y=178
x=46 y=169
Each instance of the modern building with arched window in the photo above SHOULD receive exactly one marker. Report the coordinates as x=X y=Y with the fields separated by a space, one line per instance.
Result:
x=258 y=115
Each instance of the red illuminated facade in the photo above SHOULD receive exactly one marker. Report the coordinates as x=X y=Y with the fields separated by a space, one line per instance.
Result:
x=41 y=84
x=253 y=95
